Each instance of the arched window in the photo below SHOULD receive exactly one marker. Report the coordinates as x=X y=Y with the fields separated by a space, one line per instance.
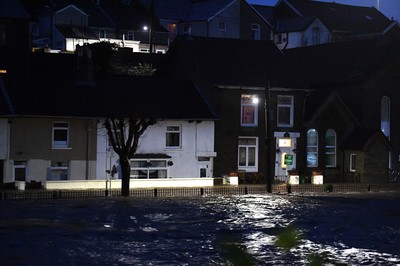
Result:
x=385 y=116
x=312 y=148
x=330 y=148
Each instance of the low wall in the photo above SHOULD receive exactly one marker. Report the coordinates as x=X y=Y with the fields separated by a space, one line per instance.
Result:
x=134 y=183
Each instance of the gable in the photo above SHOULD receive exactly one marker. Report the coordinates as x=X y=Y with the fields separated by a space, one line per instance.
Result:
x=329 y=112
x=71 y=15
x=355 y=20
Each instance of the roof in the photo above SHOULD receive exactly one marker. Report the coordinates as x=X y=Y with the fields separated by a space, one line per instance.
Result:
x=356 y=20
x=12 y=9
x=110 y=97
x=231 y=62
x=76 y=32
x=338 y=63
x=360 y=139
x=267 y=12
x=293 y=24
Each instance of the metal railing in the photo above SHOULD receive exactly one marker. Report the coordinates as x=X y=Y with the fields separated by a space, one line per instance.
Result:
x=197 y=191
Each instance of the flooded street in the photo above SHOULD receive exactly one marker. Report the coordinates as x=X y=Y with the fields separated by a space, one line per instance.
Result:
x=201 y=231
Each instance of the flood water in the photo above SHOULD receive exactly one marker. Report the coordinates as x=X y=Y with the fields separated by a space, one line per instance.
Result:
x=228 y=230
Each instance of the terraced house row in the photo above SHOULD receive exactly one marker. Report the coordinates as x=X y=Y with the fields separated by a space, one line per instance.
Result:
x=244 y=103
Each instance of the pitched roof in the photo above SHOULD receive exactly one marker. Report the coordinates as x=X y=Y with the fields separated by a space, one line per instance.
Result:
x=293 y=24
x=357 y=20
x=232 y=62
x=349 y=62
x=110 y=97
x=360 y=139
x=76 y=32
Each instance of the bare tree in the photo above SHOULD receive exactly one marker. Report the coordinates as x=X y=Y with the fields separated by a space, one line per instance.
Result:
x=124 y=135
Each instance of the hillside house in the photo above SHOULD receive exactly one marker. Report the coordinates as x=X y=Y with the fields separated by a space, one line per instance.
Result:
x=299 y=23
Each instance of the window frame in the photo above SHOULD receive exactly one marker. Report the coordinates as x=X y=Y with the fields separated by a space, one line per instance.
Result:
x=20 y=165
x=312 y=146
x=147 y=169
x=223 y=24
x=247 y=167
x=60 y=166
x=334 y=147
x=256 y=31
x=352 y=162
x=291 y=110
x=251 y=103
x=316 y=35
x=168 y=132
x=60 y=144
x=385 y=116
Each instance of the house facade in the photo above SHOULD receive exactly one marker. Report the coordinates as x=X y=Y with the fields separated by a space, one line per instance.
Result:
x=299 y=23
x=168 y=149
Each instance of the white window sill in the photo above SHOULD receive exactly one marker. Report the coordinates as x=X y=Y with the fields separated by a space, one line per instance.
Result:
x=61 y=148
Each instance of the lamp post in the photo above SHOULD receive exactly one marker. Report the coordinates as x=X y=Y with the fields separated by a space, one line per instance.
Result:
x=147 y=28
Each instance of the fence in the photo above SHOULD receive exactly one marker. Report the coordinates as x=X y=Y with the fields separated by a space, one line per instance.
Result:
x=196 y=191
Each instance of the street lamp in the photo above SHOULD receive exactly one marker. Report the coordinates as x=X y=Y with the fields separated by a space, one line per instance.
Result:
x=147 y=28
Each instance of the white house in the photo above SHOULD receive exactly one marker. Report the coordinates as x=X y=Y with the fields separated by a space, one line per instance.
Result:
x=168 y=149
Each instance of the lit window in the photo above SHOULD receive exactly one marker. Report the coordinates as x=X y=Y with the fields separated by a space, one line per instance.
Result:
x=249 y=110
x=149 y=168
x=248 y=154
x=173 y=137
x=60 y=135
x=312 y=148
x=255 y=29
x=385 y=116
x=353 y=161
x=285 y=111
x=330 y=148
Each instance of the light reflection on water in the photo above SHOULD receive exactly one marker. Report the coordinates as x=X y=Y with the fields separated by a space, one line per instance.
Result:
x=199 y=231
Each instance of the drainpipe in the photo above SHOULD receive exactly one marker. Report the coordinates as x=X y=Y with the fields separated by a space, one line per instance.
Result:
x=89 y=130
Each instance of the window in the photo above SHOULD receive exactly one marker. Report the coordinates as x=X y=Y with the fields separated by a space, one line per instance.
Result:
x=58 y=171
x=222 y=25
x=353 y=160
x=149 y=168
x=312 y=148
x=249 y=110
x=330 y=148
x=255 y=29
x=316 y=38
x=187 y=28
x=285 y=111
x=247 y=154
x=385 y=116
x=129 y=35
x=102 y=33
x=20 y=170
x=173 y=137
x=60 y=135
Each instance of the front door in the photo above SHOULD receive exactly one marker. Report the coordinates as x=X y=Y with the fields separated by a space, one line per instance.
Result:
x=285 y=158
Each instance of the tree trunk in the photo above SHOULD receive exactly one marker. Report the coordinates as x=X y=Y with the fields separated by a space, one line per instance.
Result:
x=126 y=172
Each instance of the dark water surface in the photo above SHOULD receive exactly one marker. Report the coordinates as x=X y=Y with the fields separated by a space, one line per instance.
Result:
x=345 y=230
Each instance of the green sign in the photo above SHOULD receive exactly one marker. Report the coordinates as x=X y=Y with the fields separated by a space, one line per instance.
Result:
x=288 y=159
